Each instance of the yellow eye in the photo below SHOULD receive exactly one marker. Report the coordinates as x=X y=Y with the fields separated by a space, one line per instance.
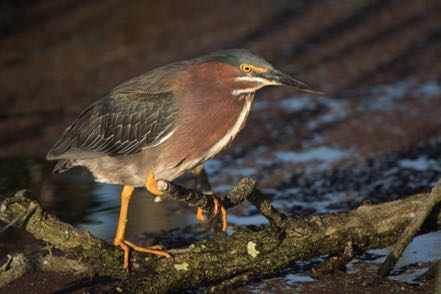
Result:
x=246 y=68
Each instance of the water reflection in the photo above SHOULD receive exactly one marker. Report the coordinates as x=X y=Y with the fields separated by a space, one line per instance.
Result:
x=74 y=197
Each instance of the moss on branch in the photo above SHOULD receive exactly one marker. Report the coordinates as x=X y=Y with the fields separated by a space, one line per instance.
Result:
x=211 y=262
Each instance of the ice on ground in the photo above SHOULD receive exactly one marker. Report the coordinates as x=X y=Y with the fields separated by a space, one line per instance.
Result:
x=321 y=153
x=423 y=249
x=336 y=109
x=388 y=95
x=247 y=220
x=407 y=87
x=296 y=278
x=243 y=172
x=297 y=103
x=421 y=163
x=213 y=166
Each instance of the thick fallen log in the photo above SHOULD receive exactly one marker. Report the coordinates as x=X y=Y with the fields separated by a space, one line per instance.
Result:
x=229 y=260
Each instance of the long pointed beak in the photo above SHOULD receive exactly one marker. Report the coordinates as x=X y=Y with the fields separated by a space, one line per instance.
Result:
x=284 y=79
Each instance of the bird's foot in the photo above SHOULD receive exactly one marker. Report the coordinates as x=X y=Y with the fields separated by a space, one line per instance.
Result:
x=218 y=207
x=127 y=246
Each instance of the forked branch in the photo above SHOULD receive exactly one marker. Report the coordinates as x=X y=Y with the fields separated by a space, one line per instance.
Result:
x=248 y=253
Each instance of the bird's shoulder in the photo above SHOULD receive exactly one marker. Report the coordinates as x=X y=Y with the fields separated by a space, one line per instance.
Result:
x=159 y=80
x=127 y=120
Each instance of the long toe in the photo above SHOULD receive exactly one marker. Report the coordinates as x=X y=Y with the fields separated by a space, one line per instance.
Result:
x=224 y=216
x=156 y=249
x=126 y=246
x=218 y=206
x=126 y=250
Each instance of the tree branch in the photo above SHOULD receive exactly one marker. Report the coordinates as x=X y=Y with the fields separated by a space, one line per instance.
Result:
x=409 y=233
x=15 y=267
x=248 y=253
x=61 y=235
x=19 y=265
x=244 y=190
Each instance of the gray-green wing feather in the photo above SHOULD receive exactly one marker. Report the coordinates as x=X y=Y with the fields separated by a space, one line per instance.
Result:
x=124 y=123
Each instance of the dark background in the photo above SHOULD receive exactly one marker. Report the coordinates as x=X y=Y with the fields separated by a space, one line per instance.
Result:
x=56 y=57
x=374 y=136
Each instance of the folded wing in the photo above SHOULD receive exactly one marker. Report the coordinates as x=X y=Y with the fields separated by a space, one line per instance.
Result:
x=122 y=123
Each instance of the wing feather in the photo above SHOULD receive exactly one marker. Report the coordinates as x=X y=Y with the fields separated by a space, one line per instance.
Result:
x=118 y=124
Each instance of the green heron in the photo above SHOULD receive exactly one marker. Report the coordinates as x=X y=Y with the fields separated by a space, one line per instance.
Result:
x=163 y=123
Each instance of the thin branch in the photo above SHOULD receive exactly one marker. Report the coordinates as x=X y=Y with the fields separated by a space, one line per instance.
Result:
x=7 y=264
x=20 y=218
x=244 y=190
x=339 y=261
x=61 y=235
x=17 y=267
x=265 y=207
x=409 y=233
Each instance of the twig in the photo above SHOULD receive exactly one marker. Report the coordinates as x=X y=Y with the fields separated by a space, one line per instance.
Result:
x=408 y=234
x=45 y=226
x=22 y=217
x=7 y=264
x=265 y=207
x=17 y=268
x=231 y=282
x=19 y=265
x=244 y=190
x=339 y=261
x=18 y=196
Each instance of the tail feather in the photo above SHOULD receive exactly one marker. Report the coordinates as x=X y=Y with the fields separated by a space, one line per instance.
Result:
x=61 y=146
x=62 y=166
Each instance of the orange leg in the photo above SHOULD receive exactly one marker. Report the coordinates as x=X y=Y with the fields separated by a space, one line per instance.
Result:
x=223 y=212
x=119 y=240
x=151 y=184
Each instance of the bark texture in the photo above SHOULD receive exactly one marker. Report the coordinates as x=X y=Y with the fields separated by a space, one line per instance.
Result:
x=231 y=260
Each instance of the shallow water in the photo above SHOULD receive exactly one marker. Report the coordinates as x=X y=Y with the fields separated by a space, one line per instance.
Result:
x=76 y=198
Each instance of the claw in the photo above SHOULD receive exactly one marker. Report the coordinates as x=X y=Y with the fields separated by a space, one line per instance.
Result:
x=126 y=246
x=223 y=212
x=200 y=215
x=218 y=207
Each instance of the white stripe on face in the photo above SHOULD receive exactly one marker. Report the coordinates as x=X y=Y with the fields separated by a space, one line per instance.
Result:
x=260 y=83
x=246 y=91
x=257 y=80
